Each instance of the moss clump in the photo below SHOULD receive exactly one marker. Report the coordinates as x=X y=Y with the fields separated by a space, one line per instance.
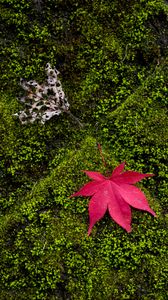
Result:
x=112 y=56
x=141 y=127
x=48 y=253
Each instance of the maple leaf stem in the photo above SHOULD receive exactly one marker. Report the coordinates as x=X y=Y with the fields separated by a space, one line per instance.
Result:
x=101 y=154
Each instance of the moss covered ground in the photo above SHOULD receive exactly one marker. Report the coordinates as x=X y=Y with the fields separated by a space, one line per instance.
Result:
x=112 y=58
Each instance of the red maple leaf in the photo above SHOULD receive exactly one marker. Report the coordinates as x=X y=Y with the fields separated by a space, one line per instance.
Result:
x=115 y=193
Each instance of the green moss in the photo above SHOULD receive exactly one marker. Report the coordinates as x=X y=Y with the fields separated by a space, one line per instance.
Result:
x=112 y=59
x=49 y=240
x=140 y=125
